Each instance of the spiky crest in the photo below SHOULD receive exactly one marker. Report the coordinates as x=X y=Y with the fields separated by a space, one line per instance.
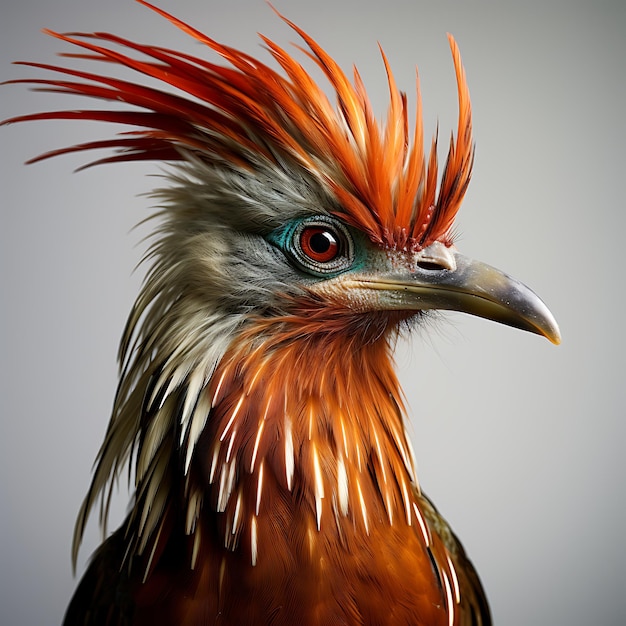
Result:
x=248 y=111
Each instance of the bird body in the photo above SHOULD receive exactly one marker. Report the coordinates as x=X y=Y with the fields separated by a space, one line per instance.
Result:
x=258 y=404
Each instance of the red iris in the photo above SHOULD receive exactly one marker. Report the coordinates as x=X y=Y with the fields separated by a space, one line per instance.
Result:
x=319 y=244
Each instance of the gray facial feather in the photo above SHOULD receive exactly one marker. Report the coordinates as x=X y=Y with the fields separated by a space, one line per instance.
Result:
x=211 y=268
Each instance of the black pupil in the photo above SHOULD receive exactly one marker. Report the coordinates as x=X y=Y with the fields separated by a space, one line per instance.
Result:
x=321 y=242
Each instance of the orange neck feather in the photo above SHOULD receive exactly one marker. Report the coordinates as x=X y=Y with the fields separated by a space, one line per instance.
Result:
x=331 y=431
x=304 y=476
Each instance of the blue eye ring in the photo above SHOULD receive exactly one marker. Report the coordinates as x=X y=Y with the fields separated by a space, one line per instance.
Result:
x=320 y=245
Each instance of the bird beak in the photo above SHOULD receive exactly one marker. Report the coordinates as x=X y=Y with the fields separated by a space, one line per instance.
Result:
x=438 y=277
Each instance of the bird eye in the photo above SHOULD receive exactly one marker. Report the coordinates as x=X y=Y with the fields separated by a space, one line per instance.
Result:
x=321 y=245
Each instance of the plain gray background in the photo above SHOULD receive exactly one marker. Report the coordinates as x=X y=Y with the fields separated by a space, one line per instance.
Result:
x=520 y=443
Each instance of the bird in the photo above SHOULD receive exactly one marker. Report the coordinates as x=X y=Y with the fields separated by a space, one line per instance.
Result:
x=258 y=411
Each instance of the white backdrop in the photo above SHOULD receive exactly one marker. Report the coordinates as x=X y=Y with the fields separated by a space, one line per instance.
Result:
x=521 y=444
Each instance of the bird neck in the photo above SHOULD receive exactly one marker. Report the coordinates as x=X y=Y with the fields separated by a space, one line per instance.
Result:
x=313 y=416
x=301 y=477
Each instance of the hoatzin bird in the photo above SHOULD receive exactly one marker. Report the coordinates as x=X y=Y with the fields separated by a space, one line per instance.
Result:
x=257 y=402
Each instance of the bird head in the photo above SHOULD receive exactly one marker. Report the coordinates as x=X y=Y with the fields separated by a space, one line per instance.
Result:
x=293 y=200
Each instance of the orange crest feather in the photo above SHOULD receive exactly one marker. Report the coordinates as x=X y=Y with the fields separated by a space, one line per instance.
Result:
x=248 y=111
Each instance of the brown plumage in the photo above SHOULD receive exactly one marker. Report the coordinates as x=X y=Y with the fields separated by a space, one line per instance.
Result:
x=257 y=404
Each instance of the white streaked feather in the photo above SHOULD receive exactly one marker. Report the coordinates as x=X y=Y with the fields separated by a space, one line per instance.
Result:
x=359 y=462
x=156 y=493
x=231 y=444
x=412 y=463
x=400 y=443
x=216 y=453
x=195 y=382
x=422 y=525
x=194 y=504
x=220 y=382
x=449 y=600
x=237 y=514
x=154 y=436
x=227 y=477
x=259 y=487
x=381 y=459
x=311 y=422
x=346 y=450
x=173 y=379
x=363 y=506
x=342 y=486
x=153 y=519
x=319 y=485
x=455 y=580
x=152 y=552
x=257 y=441
x=232 y=417
x=289 y=453
x=197 y=424
x=253 y=541
x=255 y=377
x=407 y=501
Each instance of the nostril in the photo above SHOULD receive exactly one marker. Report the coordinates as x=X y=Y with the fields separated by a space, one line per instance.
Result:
x=436 y=257
x=430 y=266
